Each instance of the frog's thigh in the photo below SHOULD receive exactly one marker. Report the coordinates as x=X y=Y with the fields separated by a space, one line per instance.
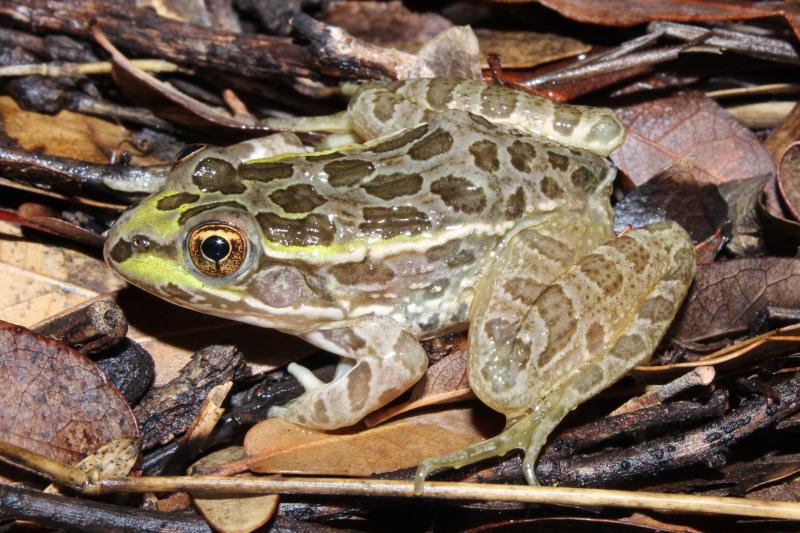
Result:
x=388 y=360
x=607 y=320
x=532 y=260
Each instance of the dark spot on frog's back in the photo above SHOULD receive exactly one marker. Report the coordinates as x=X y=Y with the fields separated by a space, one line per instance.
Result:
x=266 y=171
x=300 y=198
x=450 y=254
x=389 y=186
x=364 y=272
x=307 y=231
x=459 y=194
x=558 y=161
x=217 y=175
x=515 y=206
x=347 y=172
x=388 y=222
x=400 y=140
x=522 y=155
x=485 y=155
x=550 y=188
x=440 y=92
x=437 y=143
x=174 y=201
x=585 y=178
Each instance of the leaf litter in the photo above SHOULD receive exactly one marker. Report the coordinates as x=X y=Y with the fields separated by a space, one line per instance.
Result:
x=687 y=158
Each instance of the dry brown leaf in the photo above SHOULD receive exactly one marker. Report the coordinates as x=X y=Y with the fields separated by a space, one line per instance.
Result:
x=661 y=131
x=675 y=194
x=741 y=354
x=526 y=49
x=389 y=24
x=785 y=134
x=726 y=295
x=631 y=12
x=46 y=218
x=789 y=179
x=240 y=514
x=67 y=134
x=41 y=280
x=276 y=445
x=54 y=400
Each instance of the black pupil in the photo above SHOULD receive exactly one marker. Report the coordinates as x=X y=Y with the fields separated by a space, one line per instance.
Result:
x=186 y=151
x=215 y=248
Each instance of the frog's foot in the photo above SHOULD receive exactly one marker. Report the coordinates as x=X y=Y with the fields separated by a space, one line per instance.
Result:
x=529 y=434
x=512 y=438
x=380 y=361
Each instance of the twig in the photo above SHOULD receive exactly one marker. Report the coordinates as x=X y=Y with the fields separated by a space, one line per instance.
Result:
x=576 y=439
x=745 y=43
x=635 y=60
x=90 y=328
x=668 y=453
x=702 y=375
x=85 y=515
x=452 y=491
x=222 y=485
x=84 y=69
x=144 y=32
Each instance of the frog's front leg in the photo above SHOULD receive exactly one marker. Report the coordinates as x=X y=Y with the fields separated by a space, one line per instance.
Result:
x=388 y=360
x=583 y=332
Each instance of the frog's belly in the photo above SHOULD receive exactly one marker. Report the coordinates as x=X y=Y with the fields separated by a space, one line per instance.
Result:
x=430 y=289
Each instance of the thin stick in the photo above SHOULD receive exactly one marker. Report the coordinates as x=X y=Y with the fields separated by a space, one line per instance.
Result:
x=56 y=471
x=84 y=69
x=452 y=491
x=218 y=485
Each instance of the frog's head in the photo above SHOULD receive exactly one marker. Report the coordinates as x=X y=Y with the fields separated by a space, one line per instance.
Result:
x=199 y=243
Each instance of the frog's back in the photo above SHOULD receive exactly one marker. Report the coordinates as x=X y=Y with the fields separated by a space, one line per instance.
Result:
x=457 y=173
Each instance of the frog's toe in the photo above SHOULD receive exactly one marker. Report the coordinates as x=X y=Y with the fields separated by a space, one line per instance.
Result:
x=515 y=437
x=308 y=380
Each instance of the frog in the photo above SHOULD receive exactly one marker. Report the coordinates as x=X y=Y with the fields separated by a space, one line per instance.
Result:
x=457 y=206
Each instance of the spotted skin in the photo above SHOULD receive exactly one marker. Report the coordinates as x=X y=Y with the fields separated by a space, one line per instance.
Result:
x=471 y=207
x=379 y=109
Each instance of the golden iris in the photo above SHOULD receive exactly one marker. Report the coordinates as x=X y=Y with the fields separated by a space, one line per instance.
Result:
x=216 y=249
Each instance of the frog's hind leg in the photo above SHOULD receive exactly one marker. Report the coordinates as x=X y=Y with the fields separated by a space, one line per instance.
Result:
x=626 y=293
x=388 y=359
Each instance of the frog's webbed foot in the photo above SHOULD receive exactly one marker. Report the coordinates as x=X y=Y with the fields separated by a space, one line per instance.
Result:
x=513 y=438
x=380 y=361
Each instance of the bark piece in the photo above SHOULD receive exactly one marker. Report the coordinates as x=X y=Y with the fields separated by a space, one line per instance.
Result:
x=169 y=410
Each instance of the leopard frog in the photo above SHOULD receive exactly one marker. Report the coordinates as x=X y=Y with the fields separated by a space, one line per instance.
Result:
x=462 y=205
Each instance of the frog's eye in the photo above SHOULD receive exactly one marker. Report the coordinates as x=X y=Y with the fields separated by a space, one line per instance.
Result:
x=188 y=151
x=217 y=250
